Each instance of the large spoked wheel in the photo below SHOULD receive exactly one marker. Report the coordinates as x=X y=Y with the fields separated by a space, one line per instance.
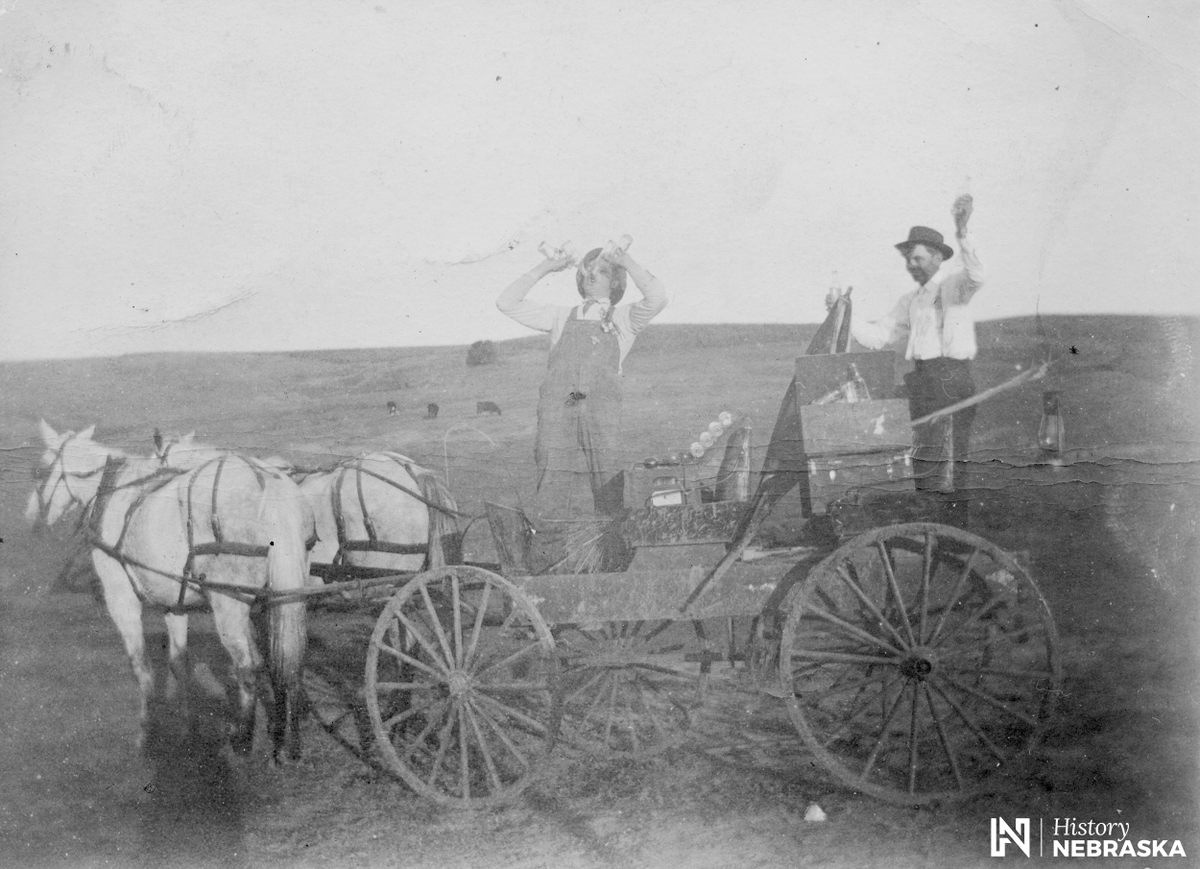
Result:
x=621 y=691
x=460 y=680
x=918 y=659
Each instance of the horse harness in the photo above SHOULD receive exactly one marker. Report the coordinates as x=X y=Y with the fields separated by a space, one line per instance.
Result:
x=373 y=543
x=152 y=483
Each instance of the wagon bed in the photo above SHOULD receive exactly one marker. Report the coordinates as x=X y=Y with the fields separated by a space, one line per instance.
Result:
x=914 y=658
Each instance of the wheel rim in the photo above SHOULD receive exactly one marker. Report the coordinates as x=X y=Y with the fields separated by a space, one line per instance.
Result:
x=918 y=659
x=460 y=678
x=619 y=693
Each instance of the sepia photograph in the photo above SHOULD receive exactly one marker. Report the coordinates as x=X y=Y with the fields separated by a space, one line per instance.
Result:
x=530 y=435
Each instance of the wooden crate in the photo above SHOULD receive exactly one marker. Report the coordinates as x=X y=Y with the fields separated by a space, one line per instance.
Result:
x=817 y=376
x=872 y=475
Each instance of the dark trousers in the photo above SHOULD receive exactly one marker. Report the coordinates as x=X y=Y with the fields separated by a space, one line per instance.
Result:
x=940 y=455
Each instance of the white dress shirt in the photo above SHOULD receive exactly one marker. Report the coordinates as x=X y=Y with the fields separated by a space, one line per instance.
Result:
x=934 y=317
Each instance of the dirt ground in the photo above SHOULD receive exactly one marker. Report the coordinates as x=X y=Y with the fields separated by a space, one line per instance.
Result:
x=1118 y=565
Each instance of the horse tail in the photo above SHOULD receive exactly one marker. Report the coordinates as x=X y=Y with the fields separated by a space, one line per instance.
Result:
x=445 y=538
x=287 y=570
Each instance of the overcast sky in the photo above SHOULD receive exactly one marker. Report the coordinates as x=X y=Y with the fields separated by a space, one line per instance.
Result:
x=298 y=174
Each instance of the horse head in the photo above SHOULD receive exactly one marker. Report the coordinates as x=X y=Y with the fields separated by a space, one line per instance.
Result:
x=182 y=451
x=69 y=474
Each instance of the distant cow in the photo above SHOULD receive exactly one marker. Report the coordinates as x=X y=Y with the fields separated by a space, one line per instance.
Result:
x=431 y=411
x=487 y=407
x=392 y=411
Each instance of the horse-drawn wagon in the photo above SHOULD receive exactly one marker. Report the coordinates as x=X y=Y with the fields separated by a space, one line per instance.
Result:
x=914 y=658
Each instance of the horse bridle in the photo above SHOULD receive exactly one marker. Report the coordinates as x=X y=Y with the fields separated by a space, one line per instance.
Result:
x=44 y=500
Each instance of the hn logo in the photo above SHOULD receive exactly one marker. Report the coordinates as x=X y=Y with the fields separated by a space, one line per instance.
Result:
x=1003 y=835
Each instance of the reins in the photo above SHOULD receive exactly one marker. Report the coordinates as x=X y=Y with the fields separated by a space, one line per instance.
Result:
x=148 y=485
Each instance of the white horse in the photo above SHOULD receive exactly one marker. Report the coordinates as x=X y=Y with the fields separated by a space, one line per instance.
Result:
x=379 y=511
x=213 y=537
x=383 y=511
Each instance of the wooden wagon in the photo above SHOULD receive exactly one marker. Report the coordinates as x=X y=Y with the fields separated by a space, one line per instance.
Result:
x=915 y=659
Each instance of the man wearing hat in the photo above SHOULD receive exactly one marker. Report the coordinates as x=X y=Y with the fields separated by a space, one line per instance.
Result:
x=938 y=329
x=579 y=406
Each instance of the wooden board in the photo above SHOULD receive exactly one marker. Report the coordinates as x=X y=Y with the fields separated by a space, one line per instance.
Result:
x=863 y=427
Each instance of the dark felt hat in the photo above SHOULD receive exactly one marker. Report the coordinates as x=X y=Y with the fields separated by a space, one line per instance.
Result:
x=928 y=237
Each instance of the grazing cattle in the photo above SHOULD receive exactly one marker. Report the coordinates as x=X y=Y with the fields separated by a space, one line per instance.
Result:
x=392 y=411
x=487 y=407
x=431 y=411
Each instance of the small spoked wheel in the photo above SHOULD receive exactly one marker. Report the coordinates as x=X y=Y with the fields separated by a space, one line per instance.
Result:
x=917 y=660
x=460 y=681
x=621 y=691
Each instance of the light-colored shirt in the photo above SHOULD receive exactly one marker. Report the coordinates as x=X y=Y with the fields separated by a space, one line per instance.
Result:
x=935 y=317
x=627 y=320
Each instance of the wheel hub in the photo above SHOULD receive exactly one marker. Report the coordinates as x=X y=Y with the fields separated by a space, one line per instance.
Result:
x=460 y=683
x=917 y=666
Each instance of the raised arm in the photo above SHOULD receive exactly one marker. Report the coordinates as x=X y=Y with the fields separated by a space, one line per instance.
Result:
x=512 y=302
x=962 y=286
x=654 y=294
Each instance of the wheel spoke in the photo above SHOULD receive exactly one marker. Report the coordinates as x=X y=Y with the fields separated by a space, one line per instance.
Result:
x=434 y=654
x=503 y=736
x=477 y=629
x=974 y=618
x=926 y=577
x=518 y=687
x=845 y=658
x=402 y=686
x=857 y=712
x=464 y=766
x=886 y=558
x=853 y=630
x=912 y=740
x=493 y=774
x=954 y=595
x=592 y=680
x=458 y=634
x=844 y=571
x=969 y=722
x=656 y=725
x=600 y=694
x=991 y=701
x=523 y=652
x=410 y=712
x=443 y=746
x=612 y=711
x=943 y=737
x=1030 y=675
x=835 y=689
x=404 y=657
x=511 y=712
x=419 y=742
x=437 y=623
x=884 y=735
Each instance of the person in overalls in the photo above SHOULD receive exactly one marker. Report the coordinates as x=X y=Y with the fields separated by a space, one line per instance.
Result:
x=579 y=406
x=938 y=331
